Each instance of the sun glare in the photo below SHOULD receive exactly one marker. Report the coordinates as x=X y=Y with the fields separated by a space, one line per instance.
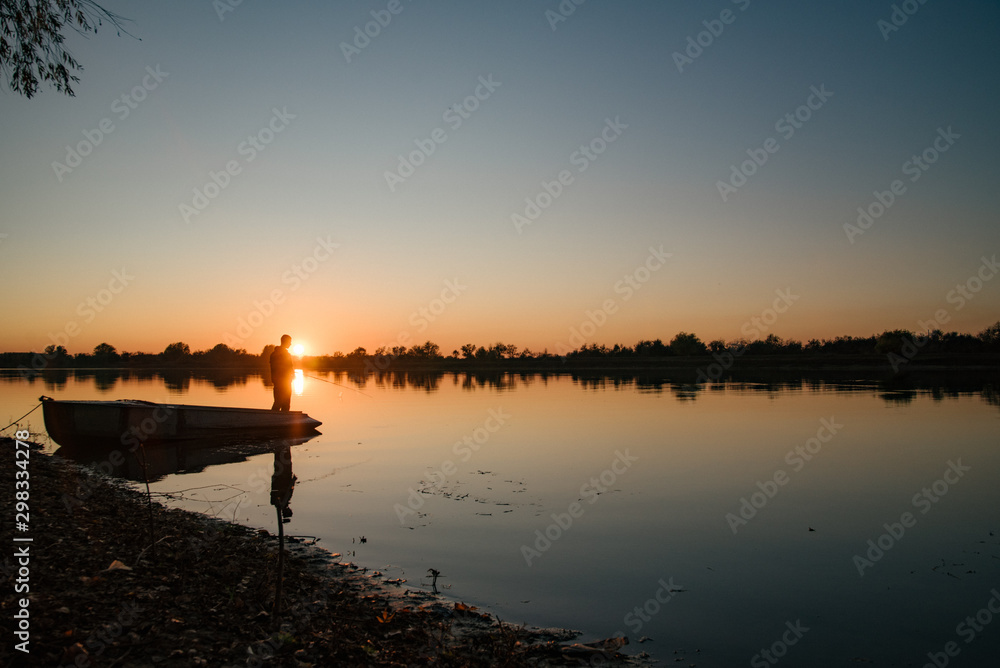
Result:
x=298 y=349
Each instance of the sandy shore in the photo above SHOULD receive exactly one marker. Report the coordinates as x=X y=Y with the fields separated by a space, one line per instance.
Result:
x=112 y=580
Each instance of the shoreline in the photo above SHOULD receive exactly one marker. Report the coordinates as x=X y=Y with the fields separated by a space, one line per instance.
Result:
x=116 y=580
x=881 y=365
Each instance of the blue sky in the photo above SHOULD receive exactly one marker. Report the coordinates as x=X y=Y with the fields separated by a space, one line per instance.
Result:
x=389 y=253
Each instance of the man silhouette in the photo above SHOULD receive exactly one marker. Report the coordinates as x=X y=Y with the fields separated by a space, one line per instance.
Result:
x=282 y=371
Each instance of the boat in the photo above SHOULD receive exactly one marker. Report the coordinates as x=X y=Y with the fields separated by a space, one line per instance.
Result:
x=129 y=422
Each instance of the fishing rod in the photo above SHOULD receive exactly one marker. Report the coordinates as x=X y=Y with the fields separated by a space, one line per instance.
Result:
x=337 y=384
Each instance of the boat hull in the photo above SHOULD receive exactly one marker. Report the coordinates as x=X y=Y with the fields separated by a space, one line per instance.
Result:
x=129 y=422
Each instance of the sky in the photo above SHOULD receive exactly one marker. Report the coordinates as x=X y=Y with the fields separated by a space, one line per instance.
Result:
x=543 y=174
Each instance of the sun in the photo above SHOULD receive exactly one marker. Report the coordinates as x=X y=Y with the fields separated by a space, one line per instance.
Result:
x=298 y=349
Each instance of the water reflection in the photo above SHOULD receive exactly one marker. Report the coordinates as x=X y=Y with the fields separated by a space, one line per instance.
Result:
x=905 y=396
x=682 y=385
x=155 y=462
x=283 y=481
x=56 y=380
x=703 y=449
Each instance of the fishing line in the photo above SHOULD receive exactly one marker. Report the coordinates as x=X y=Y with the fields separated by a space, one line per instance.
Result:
x=333 y=383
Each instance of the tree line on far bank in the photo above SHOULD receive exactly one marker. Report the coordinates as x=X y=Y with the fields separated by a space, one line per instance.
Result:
x=899 y=342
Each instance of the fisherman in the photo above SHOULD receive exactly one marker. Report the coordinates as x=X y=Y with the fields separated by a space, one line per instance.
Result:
x=282 y=372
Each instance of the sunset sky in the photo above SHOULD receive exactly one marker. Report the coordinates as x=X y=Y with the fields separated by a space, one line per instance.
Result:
x=275 y=166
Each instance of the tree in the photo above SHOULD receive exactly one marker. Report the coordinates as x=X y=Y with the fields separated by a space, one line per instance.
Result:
x=427 y=350
x=991 y=335
x=32 y=33
x=687 y=344
x=652 y=348
x=176 y=351
x=104 y=353
x=53 y=351
x=893 y=341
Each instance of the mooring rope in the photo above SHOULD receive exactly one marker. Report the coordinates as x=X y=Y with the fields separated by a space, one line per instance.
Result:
x=20 y=418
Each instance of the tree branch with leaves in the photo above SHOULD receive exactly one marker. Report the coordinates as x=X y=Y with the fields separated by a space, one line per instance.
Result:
x=32 y=37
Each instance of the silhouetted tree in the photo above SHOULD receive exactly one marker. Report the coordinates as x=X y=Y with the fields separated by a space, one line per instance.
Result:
x=105 y=353
x=687 y=344
x=654 y=348
x=56 y=355
x=892 y=341
x=991 y=335
x=223 y=355
x=176 y=352
x=426 y=350
x=32 y=33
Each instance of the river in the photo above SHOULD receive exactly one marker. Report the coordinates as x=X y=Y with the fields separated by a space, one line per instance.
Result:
x=803 y=522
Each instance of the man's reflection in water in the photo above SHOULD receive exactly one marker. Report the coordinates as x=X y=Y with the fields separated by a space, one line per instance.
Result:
x=282 y=482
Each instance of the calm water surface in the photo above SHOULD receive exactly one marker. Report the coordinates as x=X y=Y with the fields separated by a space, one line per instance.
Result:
x=557 y=502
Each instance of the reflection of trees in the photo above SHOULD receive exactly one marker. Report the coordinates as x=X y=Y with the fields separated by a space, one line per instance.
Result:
x=501 y=381
x=899 y=396
x=991 y=395
x=401 y=379
x=55 y=380
x=682 y=383
x=176 y=380
x=105 y=379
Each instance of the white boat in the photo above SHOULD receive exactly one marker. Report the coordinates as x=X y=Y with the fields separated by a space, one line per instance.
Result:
x=130 y=422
